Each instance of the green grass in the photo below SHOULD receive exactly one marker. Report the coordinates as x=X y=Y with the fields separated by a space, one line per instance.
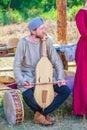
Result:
x=64 y=119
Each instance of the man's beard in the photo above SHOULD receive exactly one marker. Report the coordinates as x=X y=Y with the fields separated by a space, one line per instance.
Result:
x=37 y=36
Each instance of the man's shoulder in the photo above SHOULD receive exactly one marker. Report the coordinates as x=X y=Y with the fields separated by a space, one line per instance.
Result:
x=22 y=41
x=49 y=37
x=50 y=40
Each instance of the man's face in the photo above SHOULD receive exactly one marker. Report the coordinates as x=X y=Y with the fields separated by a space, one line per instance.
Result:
x=40 y=31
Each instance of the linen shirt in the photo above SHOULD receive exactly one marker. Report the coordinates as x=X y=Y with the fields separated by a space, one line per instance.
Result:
x=28 y=55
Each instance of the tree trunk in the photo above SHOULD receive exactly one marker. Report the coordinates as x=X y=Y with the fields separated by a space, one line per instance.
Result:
x=61 y=21
x=85 y=1
x=62 y=27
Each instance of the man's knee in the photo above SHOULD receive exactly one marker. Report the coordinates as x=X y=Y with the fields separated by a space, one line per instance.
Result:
x=66 y=89
x=27 y=94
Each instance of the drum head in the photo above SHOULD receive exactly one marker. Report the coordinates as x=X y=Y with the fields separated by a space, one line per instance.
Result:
x=13 y=108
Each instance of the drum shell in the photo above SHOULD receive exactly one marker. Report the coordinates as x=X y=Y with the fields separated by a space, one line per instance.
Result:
x=13 y=108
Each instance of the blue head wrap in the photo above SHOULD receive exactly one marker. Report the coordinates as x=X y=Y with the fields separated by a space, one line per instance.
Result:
x=34 y=23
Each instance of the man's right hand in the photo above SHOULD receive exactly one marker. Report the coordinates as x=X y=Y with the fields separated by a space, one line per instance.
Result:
x=27 y=85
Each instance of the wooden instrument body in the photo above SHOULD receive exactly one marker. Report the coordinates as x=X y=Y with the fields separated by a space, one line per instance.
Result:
x=44 y=93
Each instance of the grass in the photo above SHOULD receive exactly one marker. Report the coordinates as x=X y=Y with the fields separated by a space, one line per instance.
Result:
x=64 y=119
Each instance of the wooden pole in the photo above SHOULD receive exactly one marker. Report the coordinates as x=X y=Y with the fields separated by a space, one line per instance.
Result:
x=62 y=28
x=61 y=21
x=85 y=1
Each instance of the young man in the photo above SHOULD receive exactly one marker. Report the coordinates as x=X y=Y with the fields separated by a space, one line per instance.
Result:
x=27 y=55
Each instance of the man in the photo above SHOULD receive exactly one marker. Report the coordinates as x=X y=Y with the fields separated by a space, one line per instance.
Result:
x=27 y=55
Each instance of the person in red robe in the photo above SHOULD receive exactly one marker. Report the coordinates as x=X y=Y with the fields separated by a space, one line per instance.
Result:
x=80 y=82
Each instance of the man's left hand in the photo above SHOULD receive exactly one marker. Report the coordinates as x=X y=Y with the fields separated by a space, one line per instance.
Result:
x=61 y=82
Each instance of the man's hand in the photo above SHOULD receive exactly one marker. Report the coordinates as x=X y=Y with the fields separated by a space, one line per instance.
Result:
x=61 y=82
x=27 y=85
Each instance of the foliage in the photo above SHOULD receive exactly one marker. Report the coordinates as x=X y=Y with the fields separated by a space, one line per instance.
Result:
x=4 y=3
x=14 y=16
x=16 y=11
x=49 y=15
x=71 y=12
x=1 y=107
x=46 y=4
x=1 y=17
x=34 y=12
x=71 y=3
x=22 y=4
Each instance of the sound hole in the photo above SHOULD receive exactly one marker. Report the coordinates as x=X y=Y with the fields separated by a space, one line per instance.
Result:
x=39 y=79
x=49 y=80
x=44 y=96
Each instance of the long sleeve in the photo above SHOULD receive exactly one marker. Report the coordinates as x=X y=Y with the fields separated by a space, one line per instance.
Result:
x=81 y=22
x=18 y=62
x=56 y=61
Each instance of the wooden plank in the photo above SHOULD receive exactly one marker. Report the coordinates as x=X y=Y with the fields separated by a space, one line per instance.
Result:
x=4 y=87
x=71 y=64
x=6 y=69
x=7 y=55
x=69 y=73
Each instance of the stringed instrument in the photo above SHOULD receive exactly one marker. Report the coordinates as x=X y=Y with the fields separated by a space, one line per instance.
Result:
x=44 y=92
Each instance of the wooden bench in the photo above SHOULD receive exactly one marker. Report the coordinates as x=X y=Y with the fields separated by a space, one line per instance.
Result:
x=6 y=69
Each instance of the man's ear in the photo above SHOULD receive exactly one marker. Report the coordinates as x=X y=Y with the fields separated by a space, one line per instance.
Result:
x=33 y=32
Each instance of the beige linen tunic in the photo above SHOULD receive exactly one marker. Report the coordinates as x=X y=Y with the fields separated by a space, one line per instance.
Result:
x=28 y=55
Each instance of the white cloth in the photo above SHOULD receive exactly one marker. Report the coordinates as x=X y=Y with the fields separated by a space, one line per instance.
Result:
x=69 y=51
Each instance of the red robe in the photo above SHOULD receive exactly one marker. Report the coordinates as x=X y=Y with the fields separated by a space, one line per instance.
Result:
x=80 y=83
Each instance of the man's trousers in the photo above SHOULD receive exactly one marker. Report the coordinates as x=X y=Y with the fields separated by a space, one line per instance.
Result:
x=62 y=93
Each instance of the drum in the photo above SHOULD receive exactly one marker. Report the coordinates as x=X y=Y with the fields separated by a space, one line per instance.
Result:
x=13 y=107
